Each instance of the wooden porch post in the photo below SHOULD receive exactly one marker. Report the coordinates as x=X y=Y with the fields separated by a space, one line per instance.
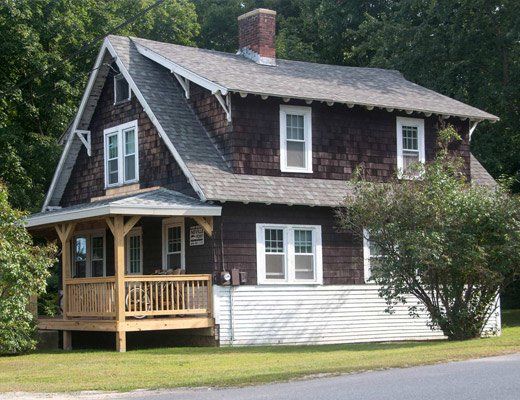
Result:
x=65 y=234
x=119 y=230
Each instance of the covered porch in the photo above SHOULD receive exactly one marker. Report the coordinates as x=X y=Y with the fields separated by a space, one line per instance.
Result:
x=125 y=264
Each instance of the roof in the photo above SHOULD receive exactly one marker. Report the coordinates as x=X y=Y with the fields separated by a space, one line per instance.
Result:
x=479 y=175
x=188 y=141
x=304 y=80
x=158 y=202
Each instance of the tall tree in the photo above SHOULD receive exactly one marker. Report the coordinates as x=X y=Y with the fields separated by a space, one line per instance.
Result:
x=43 y=75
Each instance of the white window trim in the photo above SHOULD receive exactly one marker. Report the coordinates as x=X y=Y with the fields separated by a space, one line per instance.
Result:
x=88 y=234
x=290 y=254
x=116 y=78
x=366 y=256
x=419 y=123
x=306 y=112
x=119 y=130
x=168 y=223
x=137 y=231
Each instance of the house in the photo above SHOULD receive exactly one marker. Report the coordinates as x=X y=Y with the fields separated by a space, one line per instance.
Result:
x=196 y=191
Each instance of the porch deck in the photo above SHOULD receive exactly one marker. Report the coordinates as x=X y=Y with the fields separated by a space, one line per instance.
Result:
x=151 y=302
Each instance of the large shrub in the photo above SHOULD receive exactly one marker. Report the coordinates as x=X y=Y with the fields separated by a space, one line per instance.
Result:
x=452 y=245
x=23 y=273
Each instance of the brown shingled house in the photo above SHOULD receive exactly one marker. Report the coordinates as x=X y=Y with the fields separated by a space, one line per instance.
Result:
x=196 y=191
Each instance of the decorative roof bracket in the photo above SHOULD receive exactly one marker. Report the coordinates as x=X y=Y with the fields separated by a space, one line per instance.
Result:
x=472 y=127
x=85 y=139
x=225 y=103
x=184 y=82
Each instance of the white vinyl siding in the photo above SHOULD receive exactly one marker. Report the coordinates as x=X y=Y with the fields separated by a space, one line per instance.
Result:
x=295 y=139
x=173 y=244
x=121 y=155
x=305 y=314
x=289 y=254
x=410 y=145
x=122 y=91
x=134 y=252
x=89 y=254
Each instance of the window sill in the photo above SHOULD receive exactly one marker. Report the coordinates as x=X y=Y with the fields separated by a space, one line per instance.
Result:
x=296 y=170
x=297 y=283
x=121 y=102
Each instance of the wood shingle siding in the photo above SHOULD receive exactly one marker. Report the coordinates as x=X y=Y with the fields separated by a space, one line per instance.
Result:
x=156 y=164
x=342 y=252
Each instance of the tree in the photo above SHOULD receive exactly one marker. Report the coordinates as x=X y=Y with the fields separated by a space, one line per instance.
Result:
x=45 y=66
x=23 y=272
x=452 y=245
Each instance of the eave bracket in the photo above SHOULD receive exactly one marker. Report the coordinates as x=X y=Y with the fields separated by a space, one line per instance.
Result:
x=185 y=83
x=225 y=103
x=84 y=136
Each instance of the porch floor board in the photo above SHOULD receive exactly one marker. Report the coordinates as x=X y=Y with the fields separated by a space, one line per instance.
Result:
x=129 y=325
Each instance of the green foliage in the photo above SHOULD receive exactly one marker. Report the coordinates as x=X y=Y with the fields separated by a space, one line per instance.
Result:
x=452 y=245
x=23 y=272
x=43 y=77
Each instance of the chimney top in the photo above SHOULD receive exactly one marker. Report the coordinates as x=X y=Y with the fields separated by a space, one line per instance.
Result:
x=256 y=36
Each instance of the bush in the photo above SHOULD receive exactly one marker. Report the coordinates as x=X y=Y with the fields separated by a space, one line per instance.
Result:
x=23 y=273
x=452 y=245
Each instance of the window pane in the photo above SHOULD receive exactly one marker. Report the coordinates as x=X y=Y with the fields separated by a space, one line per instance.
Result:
x=304 y=266
x=97 y=268
x=274 y=241
x=129 y=142
x=130 y=167
x=134 y=251
x=410 y=138
x=275 y=266
x=173 y=261
x=80 y=256
x=296 y=154
x=112 y=146
x=409 y=158
x=174 y=239
x=122 y=88
x=97 y=248
x=303 y=241
x=295 y=129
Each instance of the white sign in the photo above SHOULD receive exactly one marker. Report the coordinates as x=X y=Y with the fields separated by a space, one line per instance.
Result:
x=196 y=236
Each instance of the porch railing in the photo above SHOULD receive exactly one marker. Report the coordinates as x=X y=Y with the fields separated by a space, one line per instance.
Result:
x=145 y=296
x=90 y=297
x=163 y=295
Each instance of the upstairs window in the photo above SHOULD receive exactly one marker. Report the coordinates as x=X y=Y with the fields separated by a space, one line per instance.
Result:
x=121 y=155
x=289 y=254
x=410 y=146
x=295 y=139
x=121 y=89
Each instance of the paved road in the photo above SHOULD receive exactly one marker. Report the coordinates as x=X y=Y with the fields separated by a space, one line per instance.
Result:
x=483 y=379
x=486 y=379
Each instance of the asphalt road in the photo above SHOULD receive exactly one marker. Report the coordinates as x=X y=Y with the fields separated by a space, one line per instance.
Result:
x=483 y=379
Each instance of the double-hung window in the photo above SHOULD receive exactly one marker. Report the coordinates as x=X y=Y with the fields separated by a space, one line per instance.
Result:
x=371 y=255
x=121 y=155
x=410 y=146
x=295 y=139
x=289 y=254
x=134 y=252
x=173 y=244
x=89 y=255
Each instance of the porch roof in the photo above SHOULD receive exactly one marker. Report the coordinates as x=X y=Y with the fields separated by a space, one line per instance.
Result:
x=157 y=202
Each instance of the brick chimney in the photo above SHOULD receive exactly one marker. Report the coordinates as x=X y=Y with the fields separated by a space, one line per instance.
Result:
x=256 y=36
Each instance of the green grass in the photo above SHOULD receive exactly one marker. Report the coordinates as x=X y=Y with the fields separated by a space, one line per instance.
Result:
x=182 y=367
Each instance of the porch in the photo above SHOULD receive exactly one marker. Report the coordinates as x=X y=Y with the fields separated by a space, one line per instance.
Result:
x=123 y=265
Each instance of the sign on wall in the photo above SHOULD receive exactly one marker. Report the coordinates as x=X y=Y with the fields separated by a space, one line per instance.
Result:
x=196 y=236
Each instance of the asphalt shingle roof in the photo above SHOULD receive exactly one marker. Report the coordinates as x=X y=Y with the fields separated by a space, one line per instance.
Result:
x=296 y=79
x=479 y=175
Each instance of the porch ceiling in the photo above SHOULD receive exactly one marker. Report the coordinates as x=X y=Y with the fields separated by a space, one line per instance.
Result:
x=158 y=202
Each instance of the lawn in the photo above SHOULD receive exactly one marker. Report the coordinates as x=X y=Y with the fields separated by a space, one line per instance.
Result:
x=181 y=367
